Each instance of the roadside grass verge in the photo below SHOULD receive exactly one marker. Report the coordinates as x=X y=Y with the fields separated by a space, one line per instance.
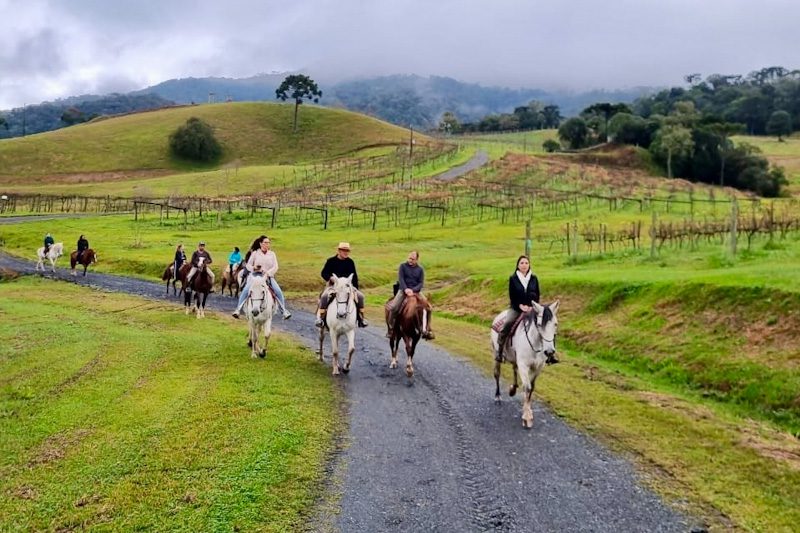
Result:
x=702 y=456
x=125 y=414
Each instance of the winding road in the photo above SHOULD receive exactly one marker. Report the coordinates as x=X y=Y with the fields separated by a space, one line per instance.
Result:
x=437 y=453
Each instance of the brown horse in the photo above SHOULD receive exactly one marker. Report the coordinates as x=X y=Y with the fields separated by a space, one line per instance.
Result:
x=170 y=277
x=230 y=279
x=88 y=257
x=200 y=285
x=408 y=325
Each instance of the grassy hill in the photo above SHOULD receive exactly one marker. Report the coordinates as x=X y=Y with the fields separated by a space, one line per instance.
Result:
x=253 y=133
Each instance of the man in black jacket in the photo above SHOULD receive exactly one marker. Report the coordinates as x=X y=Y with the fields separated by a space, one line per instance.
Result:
x=341 y=265
x=83 y=245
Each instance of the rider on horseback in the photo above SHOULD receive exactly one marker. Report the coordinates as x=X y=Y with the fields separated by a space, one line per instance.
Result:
x=523 y=290
x=83 y=245
x=200 y=253
x=48 y=242
x=341 y=265
x=180 y=259
x=262 y=261
x=411 y=279
x=234 y=259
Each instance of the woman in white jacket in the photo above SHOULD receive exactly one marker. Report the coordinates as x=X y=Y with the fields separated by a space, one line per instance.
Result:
x=263 y=262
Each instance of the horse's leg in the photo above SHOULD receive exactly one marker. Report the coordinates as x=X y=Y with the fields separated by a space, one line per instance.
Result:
x=253 y=339
x=335 y=348
x=351 y=347
x=411 y=344
x=321 y=341
x=267 y=334
x=394 y=344
x=497 y=365
x=512 y=390
x=527 y=389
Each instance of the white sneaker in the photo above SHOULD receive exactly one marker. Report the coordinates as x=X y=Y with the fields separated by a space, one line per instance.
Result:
x=286 y=314
x=319 y=323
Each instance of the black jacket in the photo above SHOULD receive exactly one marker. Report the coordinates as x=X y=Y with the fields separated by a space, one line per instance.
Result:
x=518 y=295
x=83 y=244
x=341 y=267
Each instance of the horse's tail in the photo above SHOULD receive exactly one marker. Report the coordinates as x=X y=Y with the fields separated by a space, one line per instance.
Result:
x=167 y=275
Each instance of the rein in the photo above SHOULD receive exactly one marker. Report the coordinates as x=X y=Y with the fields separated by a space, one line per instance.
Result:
x=526 y=328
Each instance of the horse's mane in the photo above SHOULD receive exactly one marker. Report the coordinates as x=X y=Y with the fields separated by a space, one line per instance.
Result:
x=547 y=316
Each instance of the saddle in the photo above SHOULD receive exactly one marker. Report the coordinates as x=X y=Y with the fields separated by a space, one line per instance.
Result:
x=498 y=324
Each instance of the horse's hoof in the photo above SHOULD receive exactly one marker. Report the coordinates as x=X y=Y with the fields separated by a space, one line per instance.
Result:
x=249 y=344
x=345 y=370
x=497 y=399
x=512 y=390
x=410 y=372
x=262 y=354
x=392 y=365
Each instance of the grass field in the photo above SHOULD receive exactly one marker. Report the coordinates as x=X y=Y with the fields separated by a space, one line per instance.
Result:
x=123 y=415
x=252 y=133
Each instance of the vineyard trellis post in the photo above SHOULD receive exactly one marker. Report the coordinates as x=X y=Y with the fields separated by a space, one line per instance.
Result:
x=734 y=224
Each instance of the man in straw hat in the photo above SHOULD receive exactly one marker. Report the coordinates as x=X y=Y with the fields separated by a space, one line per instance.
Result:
x=341 y=265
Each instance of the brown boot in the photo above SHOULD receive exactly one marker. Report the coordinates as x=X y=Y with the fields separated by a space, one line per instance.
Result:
x=320 y=322
x=362 y=322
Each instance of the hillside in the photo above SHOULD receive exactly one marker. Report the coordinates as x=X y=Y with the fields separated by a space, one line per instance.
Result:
x=252 y=133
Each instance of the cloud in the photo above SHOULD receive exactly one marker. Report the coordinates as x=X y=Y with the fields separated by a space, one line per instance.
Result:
x=55 y=48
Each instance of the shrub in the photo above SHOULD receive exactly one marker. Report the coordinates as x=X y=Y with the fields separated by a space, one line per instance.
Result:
x=551 y=145
x=195 y=141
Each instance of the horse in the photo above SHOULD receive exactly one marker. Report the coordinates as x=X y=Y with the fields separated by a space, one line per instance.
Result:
x=170 y=277
x=183 y=273
x=409 y=324
x=341 y=323
x=528 y=349
x=55 y=251
x=259 y=308
x=89 y=256
x=201 y=284
x=230 y=279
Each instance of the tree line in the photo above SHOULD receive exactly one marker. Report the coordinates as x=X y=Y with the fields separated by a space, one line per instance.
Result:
x=535 y=115
x=688 y=131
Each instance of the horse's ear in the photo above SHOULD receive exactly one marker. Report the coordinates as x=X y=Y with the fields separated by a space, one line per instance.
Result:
x=538 y=308
x=350 y=278
x=554 y=306
x=335 y=277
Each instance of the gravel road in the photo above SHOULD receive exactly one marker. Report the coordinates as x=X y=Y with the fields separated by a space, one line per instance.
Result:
x=437 y=453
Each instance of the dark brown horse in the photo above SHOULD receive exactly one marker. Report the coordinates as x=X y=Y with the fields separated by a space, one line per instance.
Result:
x=170 y=277
x=87 y=258
x=408 y=325
x=200 y=285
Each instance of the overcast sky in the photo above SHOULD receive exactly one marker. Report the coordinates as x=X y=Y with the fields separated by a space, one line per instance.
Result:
x=57 y=48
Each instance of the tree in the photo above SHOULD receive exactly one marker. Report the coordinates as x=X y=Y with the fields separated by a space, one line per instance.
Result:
x=551 y=116
x=674 y=141
x=780 y=124
x=724 y=130
x=574 y=132
x=195 y=140
x=605 y=110
x=449 y=123
x=297 y=87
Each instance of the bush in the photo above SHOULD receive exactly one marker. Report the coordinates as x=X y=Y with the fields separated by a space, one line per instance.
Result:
x=195 y=141
x=551 y=145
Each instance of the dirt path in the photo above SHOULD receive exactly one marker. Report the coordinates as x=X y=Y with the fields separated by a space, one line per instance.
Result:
x=437 y=454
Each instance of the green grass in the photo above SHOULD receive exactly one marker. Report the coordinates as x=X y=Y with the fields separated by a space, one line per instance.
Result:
x=498 y=144
x=785 y=153
x=252 y=133
x=129 y=415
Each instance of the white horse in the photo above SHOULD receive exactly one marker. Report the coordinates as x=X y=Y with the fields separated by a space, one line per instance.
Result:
x=259 y=308
x=341 y=322
x=532 y=344
x=55 y=251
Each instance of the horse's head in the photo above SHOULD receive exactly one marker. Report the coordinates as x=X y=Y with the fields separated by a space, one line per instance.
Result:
x=259 y=295
x=201 y=264
x=343 y=289
x=545 y=321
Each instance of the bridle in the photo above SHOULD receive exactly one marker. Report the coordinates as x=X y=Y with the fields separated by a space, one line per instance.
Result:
x=341 y=312
x=526 y=328
x=263 y=298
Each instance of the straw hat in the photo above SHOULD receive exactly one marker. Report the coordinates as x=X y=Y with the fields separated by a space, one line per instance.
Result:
x=344 y=246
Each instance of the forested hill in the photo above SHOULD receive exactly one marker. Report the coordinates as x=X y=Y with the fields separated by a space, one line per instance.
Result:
x=400 y=99
x=74 y=110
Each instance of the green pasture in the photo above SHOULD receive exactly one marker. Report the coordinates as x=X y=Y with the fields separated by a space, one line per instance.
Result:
x=785 y=153
x=250 y=133
x=498 y=144
x=119 y=413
